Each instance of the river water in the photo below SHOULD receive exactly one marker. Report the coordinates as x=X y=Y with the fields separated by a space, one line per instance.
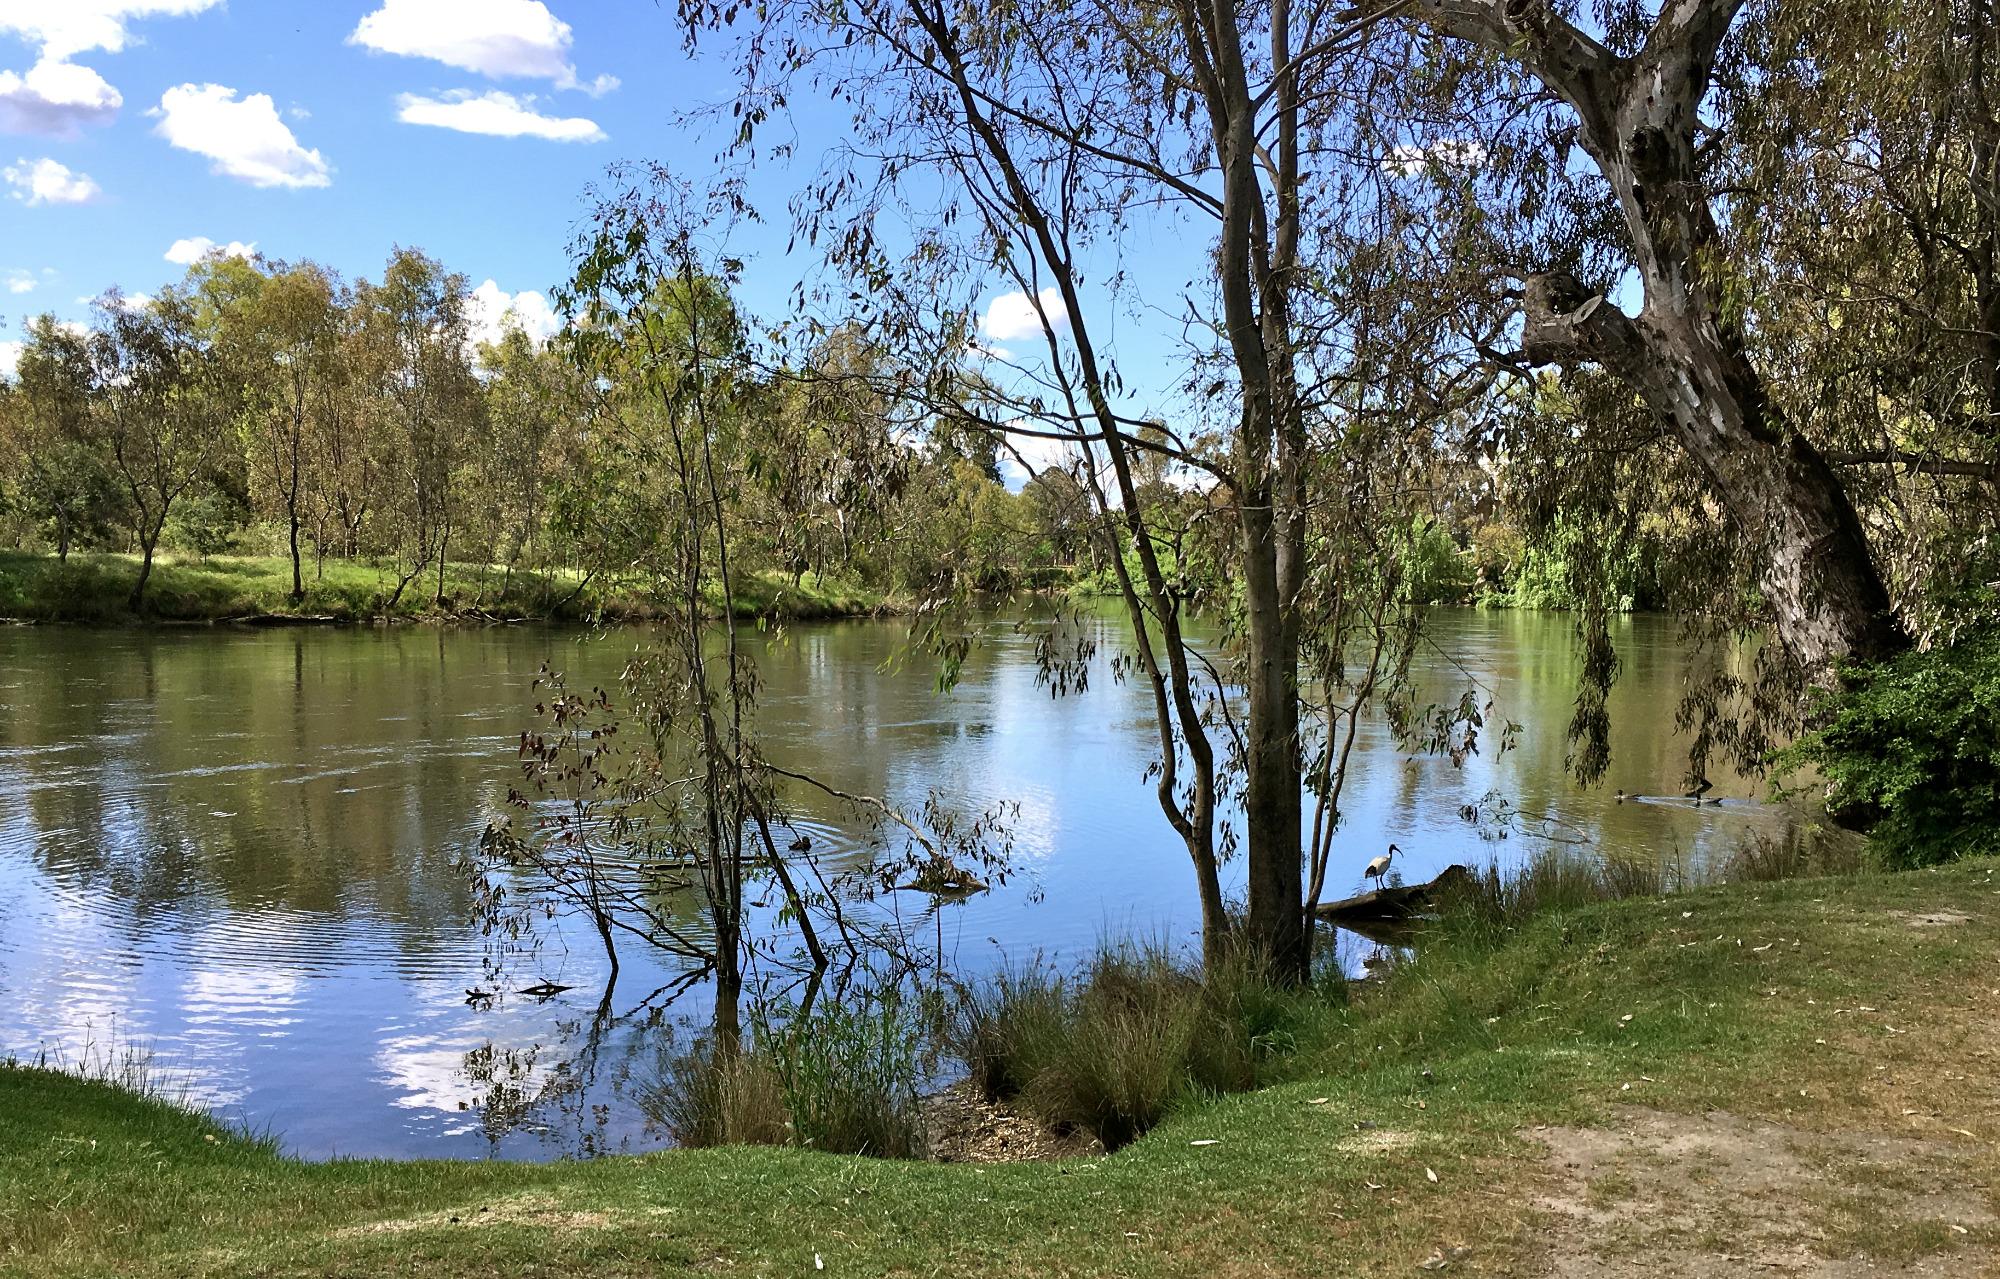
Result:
x=229 y=852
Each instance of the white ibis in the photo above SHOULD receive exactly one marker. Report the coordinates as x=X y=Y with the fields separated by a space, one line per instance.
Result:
x=1380 y=866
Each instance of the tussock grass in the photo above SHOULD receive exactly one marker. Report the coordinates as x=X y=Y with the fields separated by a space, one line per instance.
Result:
x=1803 y=850
x=708 y=1098
x=843 y=1077
x=1137 y=1031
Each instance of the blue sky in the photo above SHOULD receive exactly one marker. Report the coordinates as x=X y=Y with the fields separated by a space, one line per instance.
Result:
x=128 y=126
x=134 y=134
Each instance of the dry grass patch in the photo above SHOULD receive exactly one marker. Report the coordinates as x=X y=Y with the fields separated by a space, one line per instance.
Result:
x=1672 y=1195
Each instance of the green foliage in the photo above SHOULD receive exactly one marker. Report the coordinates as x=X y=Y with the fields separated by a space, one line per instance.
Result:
x=205 y=523
x=1549 y=570
x=1909 y=751
x=1436 y=570
x=849 y=1072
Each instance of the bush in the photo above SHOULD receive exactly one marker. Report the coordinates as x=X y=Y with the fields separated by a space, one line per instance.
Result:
x=709 y=1098
x=842 y=1078
x=1909 y=751
x=1113 y=1049
x=850 y=1072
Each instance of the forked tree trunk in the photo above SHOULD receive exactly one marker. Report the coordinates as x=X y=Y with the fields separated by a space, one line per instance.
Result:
x=147 y=543
x=1684 y=353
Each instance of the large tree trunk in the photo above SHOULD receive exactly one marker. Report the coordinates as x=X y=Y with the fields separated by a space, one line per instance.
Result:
x=1684 y=353
x=1272 y=784
x=1826 y=598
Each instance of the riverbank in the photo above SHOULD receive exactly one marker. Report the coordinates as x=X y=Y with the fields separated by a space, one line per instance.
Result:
x=92 y=589
x=1792 y=1076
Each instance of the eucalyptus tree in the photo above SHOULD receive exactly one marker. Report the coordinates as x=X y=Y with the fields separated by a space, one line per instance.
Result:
x=829 y=462
x=535 y=404
x=166 y=407
x=412 y=348
x=1039 y=145
x=1639 y=91
x=60 y=472
x=1871 y=137
x=657 y=329
x=343 y=456
x=282 y=332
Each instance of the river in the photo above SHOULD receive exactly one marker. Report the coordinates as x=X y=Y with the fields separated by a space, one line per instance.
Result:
x=229 y=852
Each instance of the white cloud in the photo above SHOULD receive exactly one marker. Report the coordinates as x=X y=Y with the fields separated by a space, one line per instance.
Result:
x=492 y=311
x=10 y=358
x=46 y=181
x=245 y=139
x=66 y=27
x=19 y=282
x=497 y=114
x=494 y=38
x=189 y=251
x=1410 y=159
x=56 y=95
x=1039 y=452
x=56 y=98
x=1012 y=315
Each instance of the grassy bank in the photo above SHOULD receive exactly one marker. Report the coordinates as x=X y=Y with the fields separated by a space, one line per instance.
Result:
x=93 y=589
x=1528 y=1097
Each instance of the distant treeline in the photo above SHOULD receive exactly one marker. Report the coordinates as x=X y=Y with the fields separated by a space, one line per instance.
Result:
x=270 y=409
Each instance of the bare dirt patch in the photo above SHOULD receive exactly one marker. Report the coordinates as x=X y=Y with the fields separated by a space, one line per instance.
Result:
x=965 y=1128
x=1932 y=918
x=534 y=1211
x=1673 y=1196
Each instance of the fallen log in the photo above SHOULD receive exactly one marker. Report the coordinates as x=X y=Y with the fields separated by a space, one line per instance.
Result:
x=1390 y=909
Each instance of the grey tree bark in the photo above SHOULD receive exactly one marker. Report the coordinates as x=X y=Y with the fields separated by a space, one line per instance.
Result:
x=1684 y=354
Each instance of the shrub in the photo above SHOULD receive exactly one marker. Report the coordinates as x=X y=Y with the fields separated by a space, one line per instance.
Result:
x=849 y=1071
x=1909 y=751
x=1114 y=1048
x=842 y=1077
x=709 y=1098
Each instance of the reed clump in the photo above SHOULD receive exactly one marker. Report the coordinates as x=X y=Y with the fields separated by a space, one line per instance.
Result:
x=1113 y=1047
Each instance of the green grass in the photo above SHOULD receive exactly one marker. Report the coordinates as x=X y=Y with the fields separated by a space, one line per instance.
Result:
x=1746 y=998
x=93 y=589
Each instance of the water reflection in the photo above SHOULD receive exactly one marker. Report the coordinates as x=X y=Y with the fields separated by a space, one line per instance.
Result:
x=235 y=848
